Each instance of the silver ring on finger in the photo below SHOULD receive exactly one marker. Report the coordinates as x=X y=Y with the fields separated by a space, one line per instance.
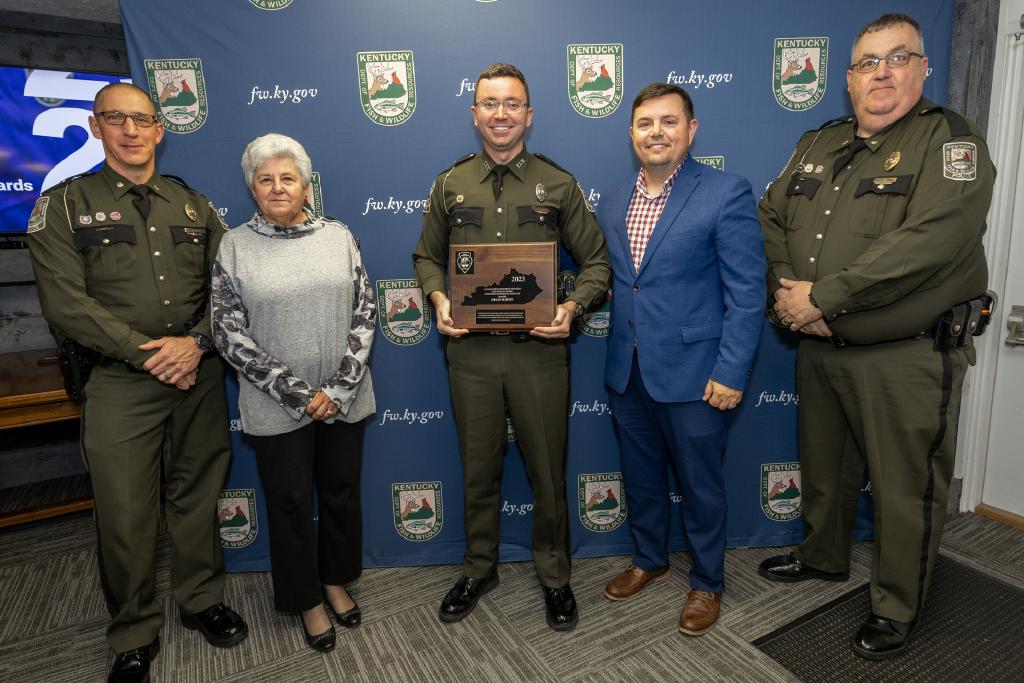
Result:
x=732 y=405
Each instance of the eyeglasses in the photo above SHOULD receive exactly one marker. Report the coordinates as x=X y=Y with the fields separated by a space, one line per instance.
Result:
x=117 y=118
x=510 y=105
x=897 y=60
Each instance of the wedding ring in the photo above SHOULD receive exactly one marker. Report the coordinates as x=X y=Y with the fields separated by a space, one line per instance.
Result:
x=165 y=376
x=732 y=405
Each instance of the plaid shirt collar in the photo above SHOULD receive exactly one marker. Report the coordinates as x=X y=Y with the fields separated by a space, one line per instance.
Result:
x=666 y=187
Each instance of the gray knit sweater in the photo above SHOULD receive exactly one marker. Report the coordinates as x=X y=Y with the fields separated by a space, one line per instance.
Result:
x=293 y=312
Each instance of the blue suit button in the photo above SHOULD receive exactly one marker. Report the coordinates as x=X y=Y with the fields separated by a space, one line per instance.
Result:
x=636 y=288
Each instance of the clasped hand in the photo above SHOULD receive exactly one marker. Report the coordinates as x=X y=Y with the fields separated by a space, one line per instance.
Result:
x=794 y=308
x=176 y=361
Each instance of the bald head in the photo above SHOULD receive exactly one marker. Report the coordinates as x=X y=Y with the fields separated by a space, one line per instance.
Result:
x=110 y=88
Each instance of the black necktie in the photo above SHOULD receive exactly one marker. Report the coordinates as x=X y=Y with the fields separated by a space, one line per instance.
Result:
x=851 y=151
x=141 y=199
x=499 y=171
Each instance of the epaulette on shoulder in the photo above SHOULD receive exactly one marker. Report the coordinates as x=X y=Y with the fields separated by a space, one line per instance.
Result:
x=846 y=118
x=958 y=125
x=549 y=161
x=461 y=160
x=178 y=179
x=68 y=181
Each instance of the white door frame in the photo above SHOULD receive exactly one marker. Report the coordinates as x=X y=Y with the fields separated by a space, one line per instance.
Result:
x=1005 y=138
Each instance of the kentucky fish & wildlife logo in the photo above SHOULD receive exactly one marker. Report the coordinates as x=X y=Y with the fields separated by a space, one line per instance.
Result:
x=597 y=321
x=387 y=86
x=179 y=89
x=271 y=4
x=780 y=490
x=799 y=72
x=716 y=162
x=418 y=510
x=602 y=506
x=595 y=78
x=404 y=319
x=236 y=517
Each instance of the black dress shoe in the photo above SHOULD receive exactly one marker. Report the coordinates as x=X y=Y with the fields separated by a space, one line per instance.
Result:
x=461 y=599
x=560 y=608
x=788 y=569
x=220 y=625
x=349 y=618
x=321 y=643
x=133 y=666
x=881 y=638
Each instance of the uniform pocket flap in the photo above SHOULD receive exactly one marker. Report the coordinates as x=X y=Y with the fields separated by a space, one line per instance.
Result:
x=103 y=235
x=182 y=234
x=893 y=184
x=702 y=332
x=466 y=215
x=808 y=187
x=545 y=215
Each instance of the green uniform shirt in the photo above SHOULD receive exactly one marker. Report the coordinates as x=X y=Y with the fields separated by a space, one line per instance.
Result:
x=894 y=238
x=539 y=202
x=109 y=279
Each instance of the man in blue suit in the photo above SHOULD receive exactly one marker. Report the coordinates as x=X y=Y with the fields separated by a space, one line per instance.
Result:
x=687 y=302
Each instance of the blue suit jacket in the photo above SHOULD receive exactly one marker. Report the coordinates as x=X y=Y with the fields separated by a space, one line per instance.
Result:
x=694 y=309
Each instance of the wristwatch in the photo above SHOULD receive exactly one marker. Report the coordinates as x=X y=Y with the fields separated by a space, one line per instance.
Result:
x=202 y=341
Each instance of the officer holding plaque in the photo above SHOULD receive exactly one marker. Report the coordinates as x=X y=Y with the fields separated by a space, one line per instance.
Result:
x=508 y=195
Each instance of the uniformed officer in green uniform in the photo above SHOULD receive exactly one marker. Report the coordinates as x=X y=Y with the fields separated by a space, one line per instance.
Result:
x=873 y=231
x=506 y=194
x=122 y=260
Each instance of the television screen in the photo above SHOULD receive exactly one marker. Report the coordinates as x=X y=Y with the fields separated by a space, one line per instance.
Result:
x=44 y=135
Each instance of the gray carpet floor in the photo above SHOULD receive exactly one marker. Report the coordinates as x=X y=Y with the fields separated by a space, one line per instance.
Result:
x=52 y=619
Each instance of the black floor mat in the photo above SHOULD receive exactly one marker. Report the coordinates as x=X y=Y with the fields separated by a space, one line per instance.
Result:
x=972 y=629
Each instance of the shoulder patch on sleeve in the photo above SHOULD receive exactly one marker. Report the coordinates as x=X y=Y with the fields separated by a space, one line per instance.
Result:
x=216 y=212
x=37 y=219
x=960 y=161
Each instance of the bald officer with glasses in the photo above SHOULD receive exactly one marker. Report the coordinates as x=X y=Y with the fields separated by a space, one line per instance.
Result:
x=122 y=260
x=506 y=194
x=873 y=236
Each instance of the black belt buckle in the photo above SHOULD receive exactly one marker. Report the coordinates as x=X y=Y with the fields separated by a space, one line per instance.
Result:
x=837 y=341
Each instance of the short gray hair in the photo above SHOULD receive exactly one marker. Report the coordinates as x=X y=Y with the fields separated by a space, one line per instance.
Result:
x=273 y=146
x=887 y=21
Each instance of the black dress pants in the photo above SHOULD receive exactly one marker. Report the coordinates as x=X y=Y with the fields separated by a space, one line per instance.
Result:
x=302 y=558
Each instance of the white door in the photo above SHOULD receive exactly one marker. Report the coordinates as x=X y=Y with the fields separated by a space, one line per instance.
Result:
x=991 y=448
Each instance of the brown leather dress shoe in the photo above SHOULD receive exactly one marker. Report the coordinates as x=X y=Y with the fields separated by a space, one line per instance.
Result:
x=630 y=582
x=700 y=612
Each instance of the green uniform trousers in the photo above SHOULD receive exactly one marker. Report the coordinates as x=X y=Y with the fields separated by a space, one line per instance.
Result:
x=488 y=373
x=894 y=406
x=126 y=419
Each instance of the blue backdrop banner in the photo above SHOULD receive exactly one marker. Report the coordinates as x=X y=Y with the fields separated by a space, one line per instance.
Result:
x=379 y=94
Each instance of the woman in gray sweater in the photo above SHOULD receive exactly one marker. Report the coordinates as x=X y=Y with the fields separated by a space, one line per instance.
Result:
x=294 y=313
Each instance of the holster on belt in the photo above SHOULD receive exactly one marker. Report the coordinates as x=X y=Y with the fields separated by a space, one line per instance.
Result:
x=967 y=319
x=76 y=364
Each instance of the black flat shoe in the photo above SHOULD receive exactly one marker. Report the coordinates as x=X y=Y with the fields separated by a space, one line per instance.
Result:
x=788 y=569
x=133 y=666
x=219 y=624
x=560 y=608
x=463 y=596
x=349 y=618
x=321 y=643
x=881 y=638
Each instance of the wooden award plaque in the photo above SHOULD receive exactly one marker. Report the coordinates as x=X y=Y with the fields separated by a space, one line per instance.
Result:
x=504 y=286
